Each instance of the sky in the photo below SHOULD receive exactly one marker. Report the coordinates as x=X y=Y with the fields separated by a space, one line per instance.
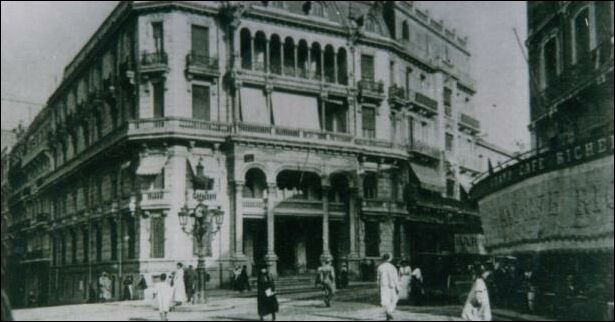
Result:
x=40 y=38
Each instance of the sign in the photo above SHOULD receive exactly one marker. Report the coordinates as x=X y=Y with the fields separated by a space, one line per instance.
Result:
x=470 y=244
x=567 y=156
x=553 y=210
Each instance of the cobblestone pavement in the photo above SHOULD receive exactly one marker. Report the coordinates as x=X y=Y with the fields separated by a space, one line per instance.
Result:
x=235 y=309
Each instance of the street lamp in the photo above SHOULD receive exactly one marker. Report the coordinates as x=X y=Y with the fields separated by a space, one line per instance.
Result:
x=197 y=222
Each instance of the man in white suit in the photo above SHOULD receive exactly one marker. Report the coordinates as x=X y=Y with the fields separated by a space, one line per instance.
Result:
x=388 y=281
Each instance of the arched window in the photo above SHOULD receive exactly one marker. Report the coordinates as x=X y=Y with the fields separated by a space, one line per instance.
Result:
x=318 y=9
x=371 y=24
x=405 y=32
x=582 y=34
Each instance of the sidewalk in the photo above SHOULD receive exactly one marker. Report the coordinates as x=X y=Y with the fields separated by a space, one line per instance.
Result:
x=502 y=314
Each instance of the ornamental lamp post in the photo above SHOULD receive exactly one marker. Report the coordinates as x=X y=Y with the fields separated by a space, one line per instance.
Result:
x=196 y=223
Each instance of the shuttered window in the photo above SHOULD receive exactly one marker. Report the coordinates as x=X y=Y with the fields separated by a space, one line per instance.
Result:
x=367 y=67
x=200 y=41
x=158 y=88
x=157 y=237
x=200 y=102
x=369 y=122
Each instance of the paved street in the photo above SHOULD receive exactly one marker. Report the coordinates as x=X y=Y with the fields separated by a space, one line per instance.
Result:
x=236 y=309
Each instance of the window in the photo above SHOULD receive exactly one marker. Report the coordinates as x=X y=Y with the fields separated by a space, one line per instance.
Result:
x=73 y=245
x=158 y=34
x=372 y=239
x=367 y=67
x=581 y=35
x=86 y=246
x=550 y=62
x=450 y=188
x=370 y=186
x=158 y=89
x=369 y=122
x=408 y=78
x=317 y=9
x=392 y=72
x=130 y=228
x=157 y=237
x=449 y=142
x=200 y=41
x=113 y=235
x=448 y=94
x=64 y=249
x=159 y=181
x=200 y=102
x=371 y=25
x=99 y=243
x=405 y=32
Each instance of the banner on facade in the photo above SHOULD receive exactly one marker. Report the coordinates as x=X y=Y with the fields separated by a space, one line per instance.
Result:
x=470 y=244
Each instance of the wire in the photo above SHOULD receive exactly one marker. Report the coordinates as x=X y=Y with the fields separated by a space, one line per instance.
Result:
x=14 y=100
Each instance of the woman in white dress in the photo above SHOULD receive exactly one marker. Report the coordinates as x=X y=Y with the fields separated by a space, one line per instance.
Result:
x=405 y=274
x=179 y=288
x=477 y=306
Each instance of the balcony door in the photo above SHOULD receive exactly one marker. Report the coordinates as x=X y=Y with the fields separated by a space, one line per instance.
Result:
x=200 y=102
x=367 y=67
x=200 y=41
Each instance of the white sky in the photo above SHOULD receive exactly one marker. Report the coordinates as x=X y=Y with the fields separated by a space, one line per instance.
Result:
x=40 y=38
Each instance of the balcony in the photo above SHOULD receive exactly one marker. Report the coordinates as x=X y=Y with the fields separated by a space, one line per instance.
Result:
x=424 y=104
x=397 y=96
x=469 y=124
x=253 y=206
x=307 y=135
x=369 y=88
x=202 y=65
x=183 y=127
x=155 y=199
x=382 y=206
x=156 y=62
x=424 y=149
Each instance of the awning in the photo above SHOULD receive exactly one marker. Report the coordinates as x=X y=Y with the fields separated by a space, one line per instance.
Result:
x=429 y=177
x=254 y=106
x=151 y=165
x=295 y=111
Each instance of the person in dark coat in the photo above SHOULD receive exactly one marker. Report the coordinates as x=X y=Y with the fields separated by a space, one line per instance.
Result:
x=243 y=281
x=127 y=288
x=266 y=298
x=189 y=281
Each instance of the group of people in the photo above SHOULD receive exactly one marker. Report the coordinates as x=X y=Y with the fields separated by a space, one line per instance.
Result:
x=392 y=282
x=174 y=289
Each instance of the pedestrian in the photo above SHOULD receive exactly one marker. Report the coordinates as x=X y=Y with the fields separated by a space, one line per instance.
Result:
x=405 y=276
x=388 y=281
x=142 y=286
x=530 y=290
x=92 y=296
x=243 y=281
x=179 y=288
x=189 y=281
x=416 y=286
x=343 y=277
x=267 y=302
x=326 y=279
x=104 y=284
x=477 y=306
x=164 y=295
x=236 y=273
x=127 y=288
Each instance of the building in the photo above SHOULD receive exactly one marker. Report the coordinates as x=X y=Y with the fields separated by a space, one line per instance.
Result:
x=349 y=120
x=553 y=206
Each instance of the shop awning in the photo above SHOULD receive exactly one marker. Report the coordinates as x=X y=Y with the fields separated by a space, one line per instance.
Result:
x=254 y=106
x=429 y=177
x=151 y=165
x=295 y=111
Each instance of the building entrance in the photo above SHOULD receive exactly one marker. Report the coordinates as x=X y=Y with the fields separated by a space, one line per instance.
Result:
x=298 y=244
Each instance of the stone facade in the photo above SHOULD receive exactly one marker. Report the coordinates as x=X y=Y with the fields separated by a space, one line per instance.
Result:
x=286 y=116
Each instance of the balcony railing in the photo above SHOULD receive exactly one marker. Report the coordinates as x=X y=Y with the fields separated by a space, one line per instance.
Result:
x=469 y=122
x=204 y=195
x=426 y=101
x=180 y=125
x=370 y=86
x=155 y=198
x=155 y=58
x=202 y=60
x=397 y=96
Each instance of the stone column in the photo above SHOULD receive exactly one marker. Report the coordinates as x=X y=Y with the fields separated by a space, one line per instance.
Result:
x=238 y=189
x=296 y=62
x=326 y=252
x=352 y=218
x=252 y=58
x=271 y=257
x=281 y=58
x=267 y=51
x=323 y=97
x=309 y=63
x=322 y=65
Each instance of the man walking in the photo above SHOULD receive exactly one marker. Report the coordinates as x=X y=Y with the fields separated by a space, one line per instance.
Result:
x=326 y=278
x=388 y=281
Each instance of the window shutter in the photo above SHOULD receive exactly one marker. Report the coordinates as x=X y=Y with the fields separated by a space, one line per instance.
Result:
x=200 y=40
x=200 y=102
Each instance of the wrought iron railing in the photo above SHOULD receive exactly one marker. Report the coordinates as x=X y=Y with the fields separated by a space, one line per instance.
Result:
x=372 y=86
x=199 y=60
x=155 y=58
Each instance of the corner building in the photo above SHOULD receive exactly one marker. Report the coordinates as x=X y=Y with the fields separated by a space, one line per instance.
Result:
x=320 y=128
